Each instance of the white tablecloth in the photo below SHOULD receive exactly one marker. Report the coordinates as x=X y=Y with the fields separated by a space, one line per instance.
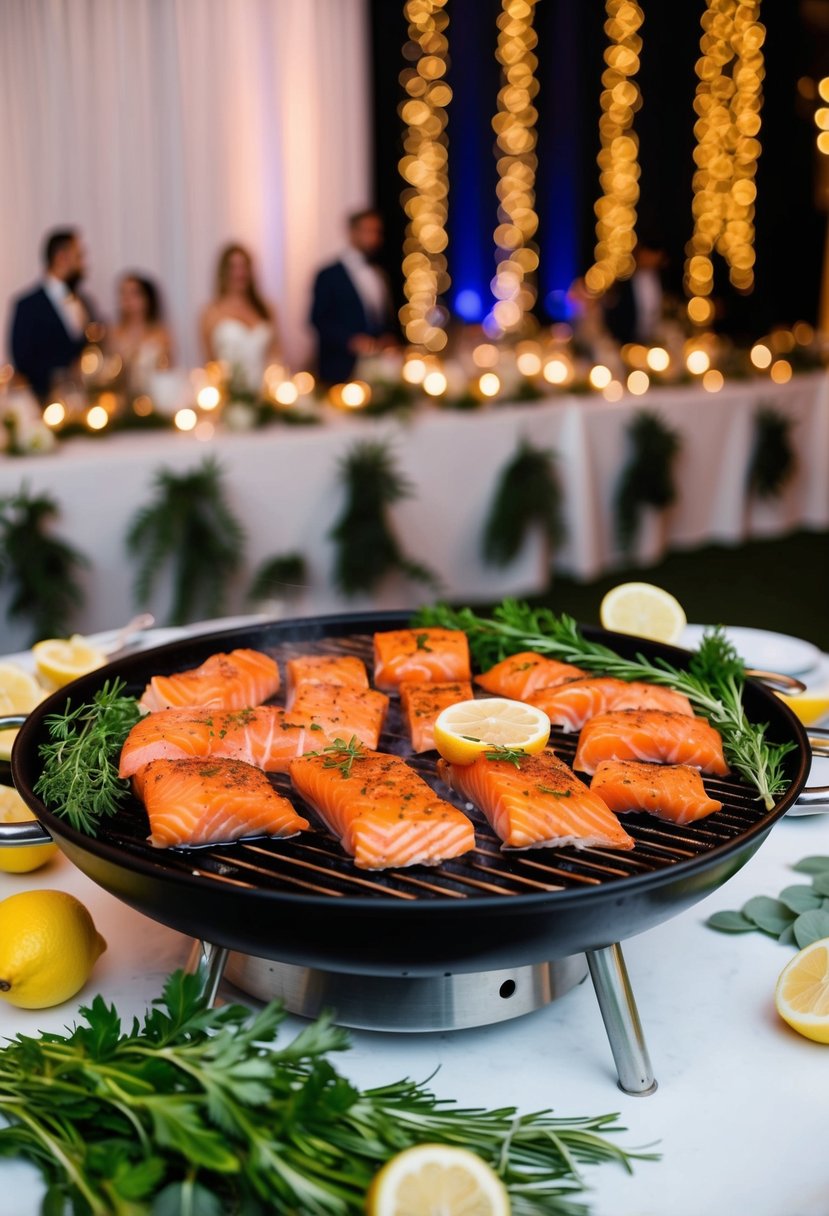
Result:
x=740 y=1113
x=283 y=484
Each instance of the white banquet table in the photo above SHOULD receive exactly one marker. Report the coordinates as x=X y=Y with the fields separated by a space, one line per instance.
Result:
x=283 y=484
x=740 y=1112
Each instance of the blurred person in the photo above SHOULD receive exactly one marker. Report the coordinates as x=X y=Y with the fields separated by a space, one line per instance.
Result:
x=238 y=326
x=351 y=309
x=633 y=307
x=48 y=323
x=139 y=337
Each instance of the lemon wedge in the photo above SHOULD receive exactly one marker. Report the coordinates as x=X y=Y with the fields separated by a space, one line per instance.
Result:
x=437 y=1180
x=60 y=660
x=802 y=993
x=20 y=859
x=810 y=707
x=644 y=610
x=467 y=728
x=19 y=694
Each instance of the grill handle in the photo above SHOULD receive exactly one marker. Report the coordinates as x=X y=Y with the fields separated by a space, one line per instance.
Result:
x=776 y=680
x=27 y=831
x=816 y=795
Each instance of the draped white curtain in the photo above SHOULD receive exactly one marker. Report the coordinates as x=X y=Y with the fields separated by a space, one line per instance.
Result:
x=164 y=128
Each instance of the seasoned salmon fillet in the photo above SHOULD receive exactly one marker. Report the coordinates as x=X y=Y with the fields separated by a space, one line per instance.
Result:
x=421 y=704
x=346 y=670
x=381 y=811
x=540 y=803
x=195 y=802
x=651 y=735
x=268 y=737
x=670 y=791
x=571 y=704
x=237 y=680
x=521 y=674
x=342 y=711
x=420 y=656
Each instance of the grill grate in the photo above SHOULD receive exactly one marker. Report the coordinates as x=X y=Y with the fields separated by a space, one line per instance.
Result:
x=314 y=864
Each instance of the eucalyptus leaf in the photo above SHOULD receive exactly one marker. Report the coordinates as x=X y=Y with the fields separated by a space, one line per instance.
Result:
x=811 y=927
x=768 y=914
x=787 y=937
x=812 y=865
x=730 y=922
x=820 y=883
x=800 y=898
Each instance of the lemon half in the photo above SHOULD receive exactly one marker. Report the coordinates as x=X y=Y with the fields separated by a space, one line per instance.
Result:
x=466 y=729
x=60 y=660
x=14 y=858
x=437 y=1180
x=19 y=694
x=644 y=610
x=802 y=992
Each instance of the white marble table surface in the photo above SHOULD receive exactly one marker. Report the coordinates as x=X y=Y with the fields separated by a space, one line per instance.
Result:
x=741 y=1109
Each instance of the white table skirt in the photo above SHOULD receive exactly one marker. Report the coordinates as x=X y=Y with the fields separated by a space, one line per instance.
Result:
x=284 y=487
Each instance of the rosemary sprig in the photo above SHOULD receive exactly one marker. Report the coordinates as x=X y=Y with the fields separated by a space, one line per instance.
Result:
x=512 y=755
x=713 y=681
x=79 y=779
x=200 y=1110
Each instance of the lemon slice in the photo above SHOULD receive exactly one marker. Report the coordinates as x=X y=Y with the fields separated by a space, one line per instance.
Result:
x=19 y=694
x=809 y=707
x=20 y=859
x=437 y=1180
x=802 y=993
x=467 y=728
x=643 y=610
x=59 y=660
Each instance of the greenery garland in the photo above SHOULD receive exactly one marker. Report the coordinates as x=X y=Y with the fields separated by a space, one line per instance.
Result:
x=278 y=577
x=367 y=549
x=647 y=479
x=773 y=462
x=190 y=527
x=40 y=570
x=527 y=494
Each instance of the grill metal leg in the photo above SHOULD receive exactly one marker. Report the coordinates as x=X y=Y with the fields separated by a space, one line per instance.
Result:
x=621 y=1018
x=208 y=963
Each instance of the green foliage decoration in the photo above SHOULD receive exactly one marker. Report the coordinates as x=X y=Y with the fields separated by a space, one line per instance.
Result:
x=773 y=462
x=40 y=570
x=647 y=479
x=189 y=528
x=527 y=494
x=367 y=549
x=278 y=576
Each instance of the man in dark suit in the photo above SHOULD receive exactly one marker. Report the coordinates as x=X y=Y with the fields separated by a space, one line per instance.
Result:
x=48 y=323
x=633 y=307
x=351 y=309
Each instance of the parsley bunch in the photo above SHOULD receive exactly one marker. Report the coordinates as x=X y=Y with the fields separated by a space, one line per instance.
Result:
x=198 y=1111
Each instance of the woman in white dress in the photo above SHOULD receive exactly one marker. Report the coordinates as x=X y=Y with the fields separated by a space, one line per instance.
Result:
x=140 y=338
x=238 y=327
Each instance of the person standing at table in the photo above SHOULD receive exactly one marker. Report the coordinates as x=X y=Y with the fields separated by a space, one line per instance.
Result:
x=633 y=307
x=48 y=323
x=351 y=309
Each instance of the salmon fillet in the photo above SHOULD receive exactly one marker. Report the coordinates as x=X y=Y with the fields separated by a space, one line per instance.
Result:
x=653 y=735
x=343 y=712
x=196 y=802
x=421 y=704
x=420 y=656
x=268 y=737
x=670 y=791
x=521 y=674
x=381 y=811
x=347 y=670
x=571 y=704
x=539 y=804
x=224 y=681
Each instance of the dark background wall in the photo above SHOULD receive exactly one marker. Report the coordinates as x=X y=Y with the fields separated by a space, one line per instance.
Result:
x=789 y=225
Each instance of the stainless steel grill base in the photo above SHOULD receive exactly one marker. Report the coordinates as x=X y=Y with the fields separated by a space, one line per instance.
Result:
x=407 y=1004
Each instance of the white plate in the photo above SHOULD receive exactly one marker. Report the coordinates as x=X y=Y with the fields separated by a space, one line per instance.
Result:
x=761 y=649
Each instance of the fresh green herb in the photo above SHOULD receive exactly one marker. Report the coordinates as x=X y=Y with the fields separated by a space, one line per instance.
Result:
x=422 y=642
x=79 y=780
x=548 y=789
x=342 y=755
x=511 y=755
x=799 y=915
x=198 y=1110
x=713 y=682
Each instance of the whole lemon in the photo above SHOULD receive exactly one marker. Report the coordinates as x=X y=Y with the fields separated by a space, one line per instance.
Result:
x=48 y=947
